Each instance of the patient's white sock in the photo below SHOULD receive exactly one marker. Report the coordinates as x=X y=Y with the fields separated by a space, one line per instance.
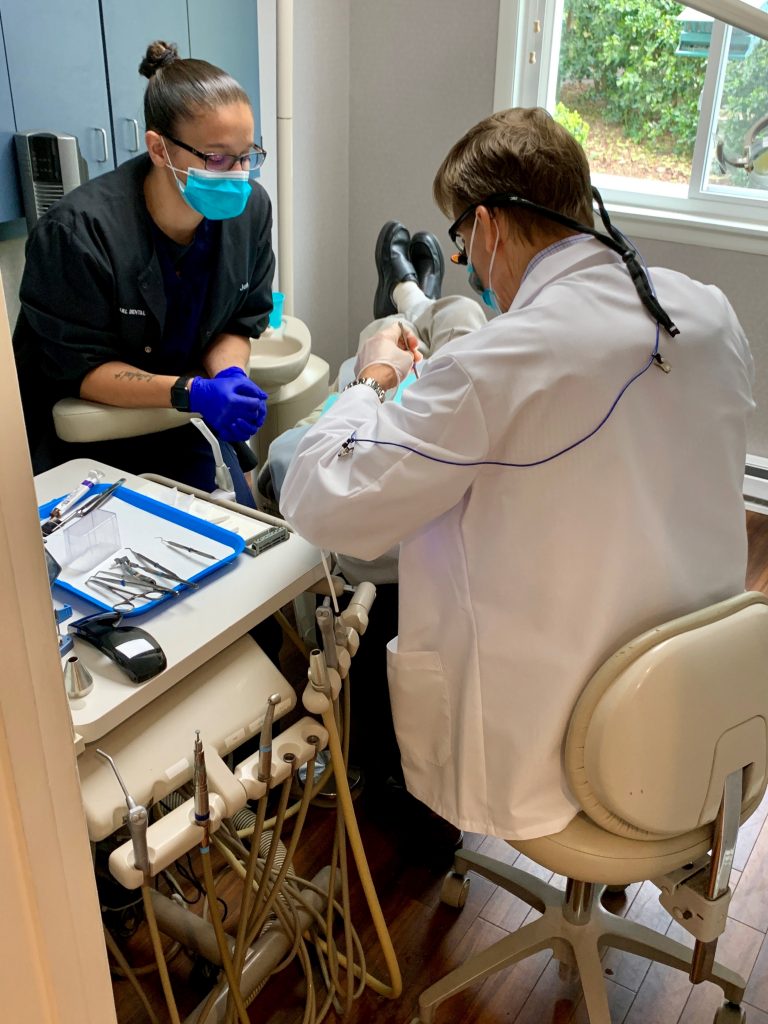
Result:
x=406 y=295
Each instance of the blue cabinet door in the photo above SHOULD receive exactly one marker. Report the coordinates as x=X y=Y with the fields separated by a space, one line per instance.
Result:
x=226 y=33
x=129 y=28
x=10 y=198
x=57 y=73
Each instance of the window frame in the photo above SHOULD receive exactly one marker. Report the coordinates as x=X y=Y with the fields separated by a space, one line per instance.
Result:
x=529 y=32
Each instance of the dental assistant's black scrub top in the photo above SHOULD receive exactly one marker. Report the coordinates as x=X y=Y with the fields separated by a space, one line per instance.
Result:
x=93 y=292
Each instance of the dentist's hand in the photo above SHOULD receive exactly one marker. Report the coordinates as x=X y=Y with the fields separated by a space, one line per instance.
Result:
x=230 y=403
x=383 y=356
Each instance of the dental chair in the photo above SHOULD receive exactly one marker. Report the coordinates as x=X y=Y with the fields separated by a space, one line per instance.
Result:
x=281 y=363
x=666 y=752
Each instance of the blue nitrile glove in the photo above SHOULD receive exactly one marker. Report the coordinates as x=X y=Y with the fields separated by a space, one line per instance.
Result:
x=243 y=427
x=230 y=403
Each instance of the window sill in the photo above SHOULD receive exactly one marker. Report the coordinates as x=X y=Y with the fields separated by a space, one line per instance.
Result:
x=689 y=228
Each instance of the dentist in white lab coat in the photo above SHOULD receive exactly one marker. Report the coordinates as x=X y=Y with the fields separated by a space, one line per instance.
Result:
x=536 y=535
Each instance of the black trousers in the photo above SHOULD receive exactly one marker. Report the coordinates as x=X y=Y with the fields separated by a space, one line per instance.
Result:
x=373 y=744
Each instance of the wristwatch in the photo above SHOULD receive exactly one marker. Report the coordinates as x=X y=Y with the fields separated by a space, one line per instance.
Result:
x=382 y=394
x=180 y=393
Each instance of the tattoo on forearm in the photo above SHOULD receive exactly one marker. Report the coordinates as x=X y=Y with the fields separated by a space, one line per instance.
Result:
x=133 y=375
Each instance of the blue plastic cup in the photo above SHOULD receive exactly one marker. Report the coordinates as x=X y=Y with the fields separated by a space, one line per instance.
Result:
x=276 y=316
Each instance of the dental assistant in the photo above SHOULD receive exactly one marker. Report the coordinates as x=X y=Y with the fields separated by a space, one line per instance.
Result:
x=142 y=288
x=538 y=529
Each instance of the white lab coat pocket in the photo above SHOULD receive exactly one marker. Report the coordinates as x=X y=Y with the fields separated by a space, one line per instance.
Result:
x=420 y=707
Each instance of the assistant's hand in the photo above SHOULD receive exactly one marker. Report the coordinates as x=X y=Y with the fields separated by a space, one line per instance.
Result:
x=230 y=403
x=385 y=349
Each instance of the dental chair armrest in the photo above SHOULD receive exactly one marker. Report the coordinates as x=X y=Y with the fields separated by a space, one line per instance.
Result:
x=77 y=421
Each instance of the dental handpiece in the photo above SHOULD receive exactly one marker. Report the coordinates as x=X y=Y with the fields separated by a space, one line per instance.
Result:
x=265 y=740
x=318 y=673
x=137 y=821
x=200 y=783
x=324 y=617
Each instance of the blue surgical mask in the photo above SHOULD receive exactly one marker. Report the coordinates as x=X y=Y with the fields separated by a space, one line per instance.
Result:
x=488 y=295
x=216 y=195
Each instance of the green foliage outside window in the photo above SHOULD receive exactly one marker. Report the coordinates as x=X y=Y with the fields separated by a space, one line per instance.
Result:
x=573 y=122
x=622 y=55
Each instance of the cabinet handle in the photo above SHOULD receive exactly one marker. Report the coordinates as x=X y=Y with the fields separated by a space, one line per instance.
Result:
x=136 y=142
x=103 y=159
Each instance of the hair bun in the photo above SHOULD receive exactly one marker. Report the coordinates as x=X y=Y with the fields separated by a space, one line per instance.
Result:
x=159 y=54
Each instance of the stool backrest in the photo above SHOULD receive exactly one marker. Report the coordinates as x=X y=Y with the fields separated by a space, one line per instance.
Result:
x=666 y=719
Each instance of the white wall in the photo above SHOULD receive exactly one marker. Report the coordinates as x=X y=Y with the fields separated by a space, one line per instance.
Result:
x=382 y=90
x=321 y=163
x=421 y=73
x=743 y=279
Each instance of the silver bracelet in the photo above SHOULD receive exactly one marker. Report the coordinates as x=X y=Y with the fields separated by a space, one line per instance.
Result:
x=381 y=393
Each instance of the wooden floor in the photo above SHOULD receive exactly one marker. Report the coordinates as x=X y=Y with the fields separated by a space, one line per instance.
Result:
x=431 y=939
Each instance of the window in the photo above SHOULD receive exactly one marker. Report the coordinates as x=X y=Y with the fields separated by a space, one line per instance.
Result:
x=670 y=105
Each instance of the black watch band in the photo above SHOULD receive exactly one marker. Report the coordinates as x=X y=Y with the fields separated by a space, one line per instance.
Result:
x=180 y=394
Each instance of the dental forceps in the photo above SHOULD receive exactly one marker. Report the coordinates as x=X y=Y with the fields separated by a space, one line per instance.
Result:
x=147 y=587
x=127 y=599
x=161 y=570
x=131 y=573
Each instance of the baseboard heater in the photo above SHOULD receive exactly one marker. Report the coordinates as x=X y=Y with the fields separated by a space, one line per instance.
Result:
x=756 y=484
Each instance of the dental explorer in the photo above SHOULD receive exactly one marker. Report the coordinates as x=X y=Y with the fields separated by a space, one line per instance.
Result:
x=185 y=547
x=137 y=821
x=407 y=347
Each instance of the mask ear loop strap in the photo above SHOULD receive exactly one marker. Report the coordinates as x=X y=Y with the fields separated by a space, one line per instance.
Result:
x=471 y=240
x=493 y=259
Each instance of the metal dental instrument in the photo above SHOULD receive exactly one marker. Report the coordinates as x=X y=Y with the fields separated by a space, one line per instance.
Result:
x=265 y=740
x=127 y=599
x=83 y=510
x=123 y=578
x=137 y=821
x=184 y=547
x=132 y=572
x=160 y=570
x=407 y=347
x=132 y=587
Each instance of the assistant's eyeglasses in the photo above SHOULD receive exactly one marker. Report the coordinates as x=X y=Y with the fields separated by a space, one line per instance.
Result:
x=251 y=160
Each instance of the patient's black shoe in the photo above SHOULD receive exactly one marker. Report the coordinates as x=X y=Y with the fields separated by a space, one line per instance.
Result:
x=427 y=259
x=393 y=265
